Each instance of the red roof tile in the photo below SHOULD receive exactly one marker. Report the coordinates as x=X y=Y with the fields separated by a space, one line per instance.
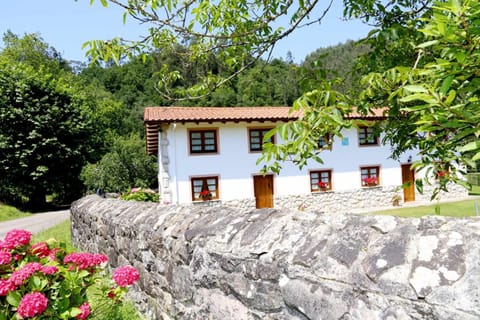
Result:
x=196 y=114
x=210 y=114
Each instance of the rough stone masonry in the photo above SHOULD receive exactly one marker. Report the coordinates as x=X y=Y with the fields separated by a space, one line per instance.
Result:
x=201 y=262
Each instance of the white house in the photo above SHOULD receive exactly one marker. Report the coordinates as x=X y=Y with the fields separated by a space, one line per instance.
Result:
x=209 y=154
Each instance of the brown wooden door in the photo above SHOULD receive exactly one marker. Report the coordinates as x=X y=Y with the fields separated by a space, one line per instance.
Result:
x=408 y=181
x=263 y=190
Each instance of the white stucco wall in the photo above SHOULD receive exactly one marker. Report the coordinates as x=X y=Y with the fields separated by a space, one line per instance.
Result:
x=235 y=165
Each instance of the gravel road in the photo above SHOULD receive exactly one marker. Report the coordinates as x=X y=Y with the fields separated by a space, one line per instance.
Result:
x=35 y=223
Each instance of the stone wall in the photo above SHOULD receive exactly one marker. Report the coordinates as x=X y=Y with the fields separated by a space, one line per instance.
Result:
x=344 y=201
x=212 y=262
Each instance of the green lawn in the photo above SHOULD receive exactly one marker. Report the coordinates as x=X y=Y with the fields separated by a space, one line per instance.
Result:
x=11 y=213
x=451 y=209
x=475 y=190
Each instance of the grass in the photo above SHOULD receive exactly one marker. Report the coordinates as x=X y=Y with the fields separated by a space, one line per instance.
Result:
x=11 y=213
x=475 y=190
x=61 y=232
x=464 y=208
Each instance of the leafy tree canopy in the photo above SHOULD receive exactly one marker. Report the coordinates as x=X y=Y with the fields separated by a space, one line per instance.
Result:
x=43 y=137
x=423 y=67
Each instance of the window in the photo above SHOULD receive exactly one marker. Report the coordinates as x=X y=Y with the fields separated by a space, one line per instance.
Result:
x=204 y=188
x=325 y=142
x=255 y=137
x=203 y=141
x=370 y=176
x=367 y=136
x=321 y=180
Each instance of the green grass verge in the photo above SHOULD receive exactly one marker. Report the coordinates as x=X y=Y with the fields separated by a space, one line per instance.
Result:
x=475 y=190
x=60 y=232
x=448 y=209
x=11 y=213
x=104 y=308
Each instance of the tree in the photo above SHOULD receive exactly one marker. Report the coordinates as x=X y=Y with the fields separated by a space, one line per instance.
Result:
x=43 y=137
x=424 y=63
x=125 y=166
x=432 y=104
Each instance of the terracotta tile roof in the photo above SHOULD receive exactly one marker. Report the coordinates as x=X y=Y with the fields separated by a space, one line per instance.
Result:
x=210 y=114
x=155 y=116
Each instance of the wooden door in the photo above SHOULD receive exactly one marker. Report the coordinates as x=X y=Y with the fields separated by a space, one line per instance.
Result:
x=263 y=190
x=408 y=181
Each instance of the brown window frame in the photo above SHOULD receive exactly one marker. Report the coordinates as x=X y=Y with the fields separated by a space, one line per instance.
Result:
x=314 y=181
x=202 y=144
x=370 y=175
x=367 y=132
x=325 y=142
x=214 y=194
x=262 y=131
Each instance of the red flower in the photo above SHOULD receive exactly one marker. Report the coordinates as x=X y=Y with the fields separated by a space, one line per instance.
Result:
x=125 y=276
x=18 y=277
x=5 y=257
x=32 y=304
x=40 y=249
x=49 y=269
x=204 y=193
x=85 y=260
x=16 y=238
x=85 y=309
x=441 y=174
x=111 y=294
x=6 y=286
x=370 y=181
x=322 y=184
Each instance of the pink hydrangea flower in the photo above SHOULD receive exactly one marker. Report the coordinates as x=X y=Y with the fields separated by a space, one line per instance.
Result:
x=52 y=255
x=85 y=309
x=16 y=238
x=4 y=246
x=49 y=269
x=5 y=257
x=40 y=249
x=125 y=276
x=6 y=286
x=85 y=260
x=19 y=276
x=32 y=304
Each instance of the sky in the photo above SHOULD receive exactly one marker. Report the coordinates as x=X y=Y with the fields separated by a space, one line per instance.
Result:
x=67 y=24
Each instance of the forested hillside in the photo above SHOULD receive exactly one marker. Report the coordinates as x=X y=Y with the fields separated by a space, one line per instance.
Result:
x=65 y=133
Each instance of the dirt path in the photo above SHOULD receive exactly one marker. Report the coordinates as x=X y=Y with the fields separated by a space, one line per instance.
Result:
x=35 y=223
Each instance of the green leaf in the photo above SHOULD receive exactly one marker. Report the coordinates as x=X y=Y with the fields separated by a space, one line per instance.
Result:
x=415 y=88
x=474 y=145
x=428 y=44
x=13 y=298
x=446 y=84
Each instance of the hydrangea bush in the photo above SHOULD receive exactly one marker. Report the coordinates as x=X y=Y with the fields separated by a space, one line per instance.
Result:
x=43 y=281
x=141 y=194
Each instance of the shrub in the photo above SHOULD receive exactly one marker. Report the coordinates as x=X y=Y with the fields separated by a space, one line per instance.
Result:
x=45 y=282
x=140 y=194
x=125 y=165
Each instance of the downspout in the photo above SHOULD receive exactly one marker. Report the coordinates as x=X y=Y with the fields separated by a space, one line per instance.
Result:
x=159 y=162
x=175 y=162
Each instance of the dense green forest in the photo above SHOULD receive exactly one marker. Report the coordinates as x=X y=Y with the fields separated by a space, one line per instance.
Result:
x=69 y=129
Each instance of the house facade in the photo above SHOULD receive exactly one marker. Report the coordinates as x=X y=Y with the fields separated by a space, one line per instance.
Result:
x=209 y=155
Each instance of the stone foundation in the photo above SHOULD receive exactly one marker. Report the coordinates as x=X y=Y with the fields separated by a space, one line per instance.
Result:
x=214 y=262
x=344 y=201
